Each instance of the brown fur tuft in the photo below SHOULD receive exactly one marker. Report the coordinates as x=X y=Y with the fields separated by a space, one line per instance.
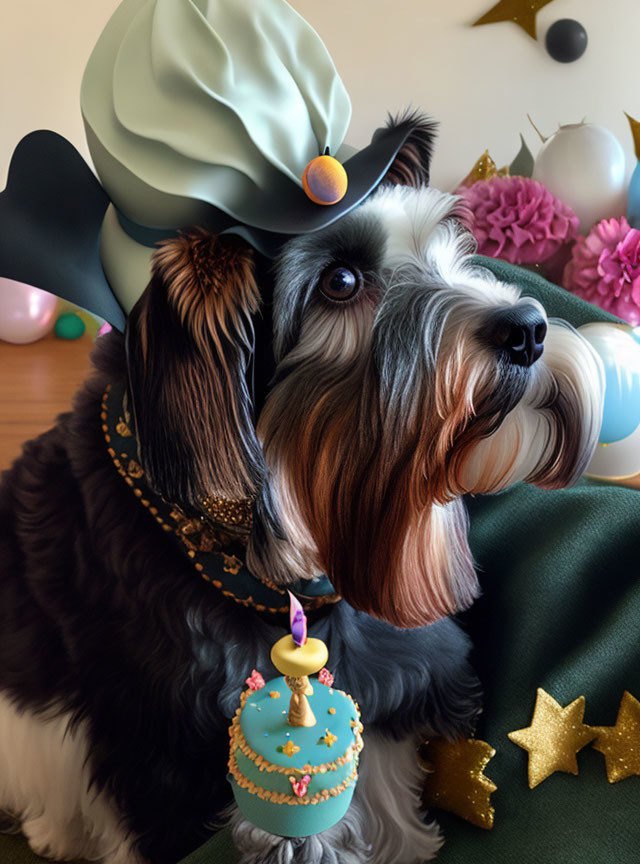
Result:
x=189 y=341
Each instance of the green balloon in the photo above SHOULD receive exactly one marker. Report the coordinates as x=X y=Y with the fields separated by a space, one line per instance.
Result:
x=69 y=326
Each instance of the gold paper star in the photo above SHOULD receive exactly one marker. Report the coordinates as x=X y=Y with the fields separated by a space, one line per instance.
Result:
x=621 y=743
x=290 y=748
x=554 y=737
x=455 y=781
x=521 y=12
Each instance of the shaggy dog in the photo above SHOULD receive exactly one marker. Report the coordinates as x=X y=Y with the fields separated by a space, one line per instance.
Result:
x=386 y=376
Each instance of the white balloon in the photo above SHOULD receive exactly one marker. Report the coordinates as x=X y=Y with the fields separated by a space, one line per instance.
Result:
x=26 y=313
x=584 y=165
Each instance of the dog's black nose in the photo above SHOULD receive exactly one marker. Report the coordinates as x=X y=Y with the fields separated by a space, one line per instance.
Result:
x=519 y=332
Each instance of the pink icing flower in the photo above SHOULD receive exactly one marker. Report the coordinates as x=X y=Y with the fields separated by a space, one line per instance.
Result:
x=255 y=681
x=605 y=269
x=325 y=677
x=518 y=219
x=300 y=786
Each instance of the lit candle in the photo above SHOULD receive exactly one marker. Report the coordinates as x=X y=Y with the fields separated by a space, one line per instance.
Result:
x=296 y=657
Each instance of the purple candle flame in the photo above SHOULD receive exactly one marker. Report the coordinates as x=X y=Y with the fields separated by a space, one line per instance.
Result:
x=298 y=620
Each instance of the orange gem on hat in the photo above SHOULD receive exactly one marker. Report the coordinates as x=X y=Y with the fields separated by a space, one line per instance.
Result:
x=325 y=180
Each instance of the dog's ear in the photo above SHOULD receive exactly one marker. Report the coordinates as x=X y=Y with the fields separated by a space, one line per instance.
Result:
x=412 y=164
x=189 y=341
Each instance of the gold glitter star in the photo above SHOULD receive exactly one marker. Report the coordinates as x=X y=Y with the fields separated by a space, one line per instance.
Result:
x=290 y=748
x=328 y=738
x=455 y=781
x=620 y=744
x=521 y=12
x=554 y=737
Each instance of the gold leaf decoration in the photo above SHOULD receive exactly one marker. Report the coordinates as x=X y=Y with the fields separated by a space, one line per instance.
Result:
x=635 y=131
x=520 y=12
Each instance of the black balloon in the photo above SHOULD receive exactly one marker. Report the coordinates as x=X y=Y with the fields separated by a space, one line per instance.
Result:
x=566 y=40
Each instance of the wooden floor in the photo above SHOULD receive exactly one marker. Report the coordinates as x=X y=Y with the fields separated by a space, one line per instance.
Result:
x=37 y=382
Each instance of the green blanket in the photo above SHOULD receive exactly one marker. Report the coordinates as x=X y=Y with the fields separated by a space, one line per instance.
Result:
x=560 y=610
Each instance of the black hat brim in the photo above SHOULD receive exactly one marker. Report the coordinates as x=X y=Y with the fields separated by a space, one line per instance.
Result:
x=52 y=209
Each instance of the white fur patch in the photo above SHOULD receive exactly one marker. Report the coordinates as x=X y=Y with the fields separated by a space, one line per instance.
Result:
x=527 y=435
x=44 y=781
x=423 y=230
x=388 y=794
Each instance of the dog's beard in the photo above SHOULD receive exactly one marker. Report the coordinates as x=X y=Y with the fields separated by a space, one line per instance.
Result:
x=346 y=443
x=368 y=484
x=549 y=437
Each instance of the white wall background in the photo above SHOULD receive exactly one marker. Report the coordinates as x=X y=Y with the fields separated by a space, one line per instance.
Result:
x=478 y=82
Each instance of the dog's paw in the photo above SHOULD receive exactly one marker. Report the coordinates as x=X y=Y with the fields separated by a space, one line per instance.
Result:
x=49 y=840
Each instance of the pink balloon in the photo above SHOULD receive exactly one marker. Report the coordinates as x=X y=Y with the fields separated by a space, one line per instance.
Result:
x=26 y=313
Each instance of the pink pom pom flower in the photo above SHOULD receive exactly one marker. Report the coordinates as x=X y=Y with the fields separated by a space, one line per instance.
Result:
x=605 y=269
x=518 y=219
x=325 y=677
x=255 y=681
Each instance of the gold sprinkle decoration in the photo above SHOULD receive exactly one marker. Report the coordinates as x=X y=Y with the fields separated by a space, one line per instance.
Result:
x=332 y=710
x=290 y=749
x=455 y=781
x=234 y=513
x=520 y=12
x=134 y=470
x=620 y=744
x=123 y=430
x=292 y=800
x=232 y=564
x=553 y=739
x=274 y=694
x=328 y=738
x=635 y=131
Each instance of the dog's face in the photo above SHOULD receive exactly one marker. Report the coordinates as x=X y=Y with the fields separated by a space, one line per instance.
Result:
x=405 y=378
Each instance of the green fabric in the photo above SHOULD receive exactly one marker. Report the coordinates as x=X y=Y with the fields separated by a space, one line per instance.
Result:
x=218 y=850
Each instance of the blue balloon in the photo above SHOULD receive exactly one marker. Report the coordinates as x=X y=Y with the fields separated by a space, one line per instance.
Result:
x=621 y=414
x=633 y=207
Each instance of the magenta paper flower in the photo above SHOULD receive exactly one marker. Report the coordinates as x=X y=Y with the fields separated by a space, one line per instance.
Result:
x=518 y=219
x=605 y=269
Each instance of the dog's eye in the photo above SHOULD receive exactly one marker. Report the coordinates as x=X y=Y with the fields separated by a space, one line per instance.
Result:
x=340 y=283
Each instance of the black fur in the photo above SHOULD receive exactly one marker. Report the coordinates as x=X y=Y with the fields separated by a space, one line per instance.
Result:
x=100 y=615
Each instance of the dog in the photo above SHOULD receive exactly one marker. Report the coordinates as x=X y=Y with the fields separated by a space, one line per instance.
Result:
x=348 y=396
